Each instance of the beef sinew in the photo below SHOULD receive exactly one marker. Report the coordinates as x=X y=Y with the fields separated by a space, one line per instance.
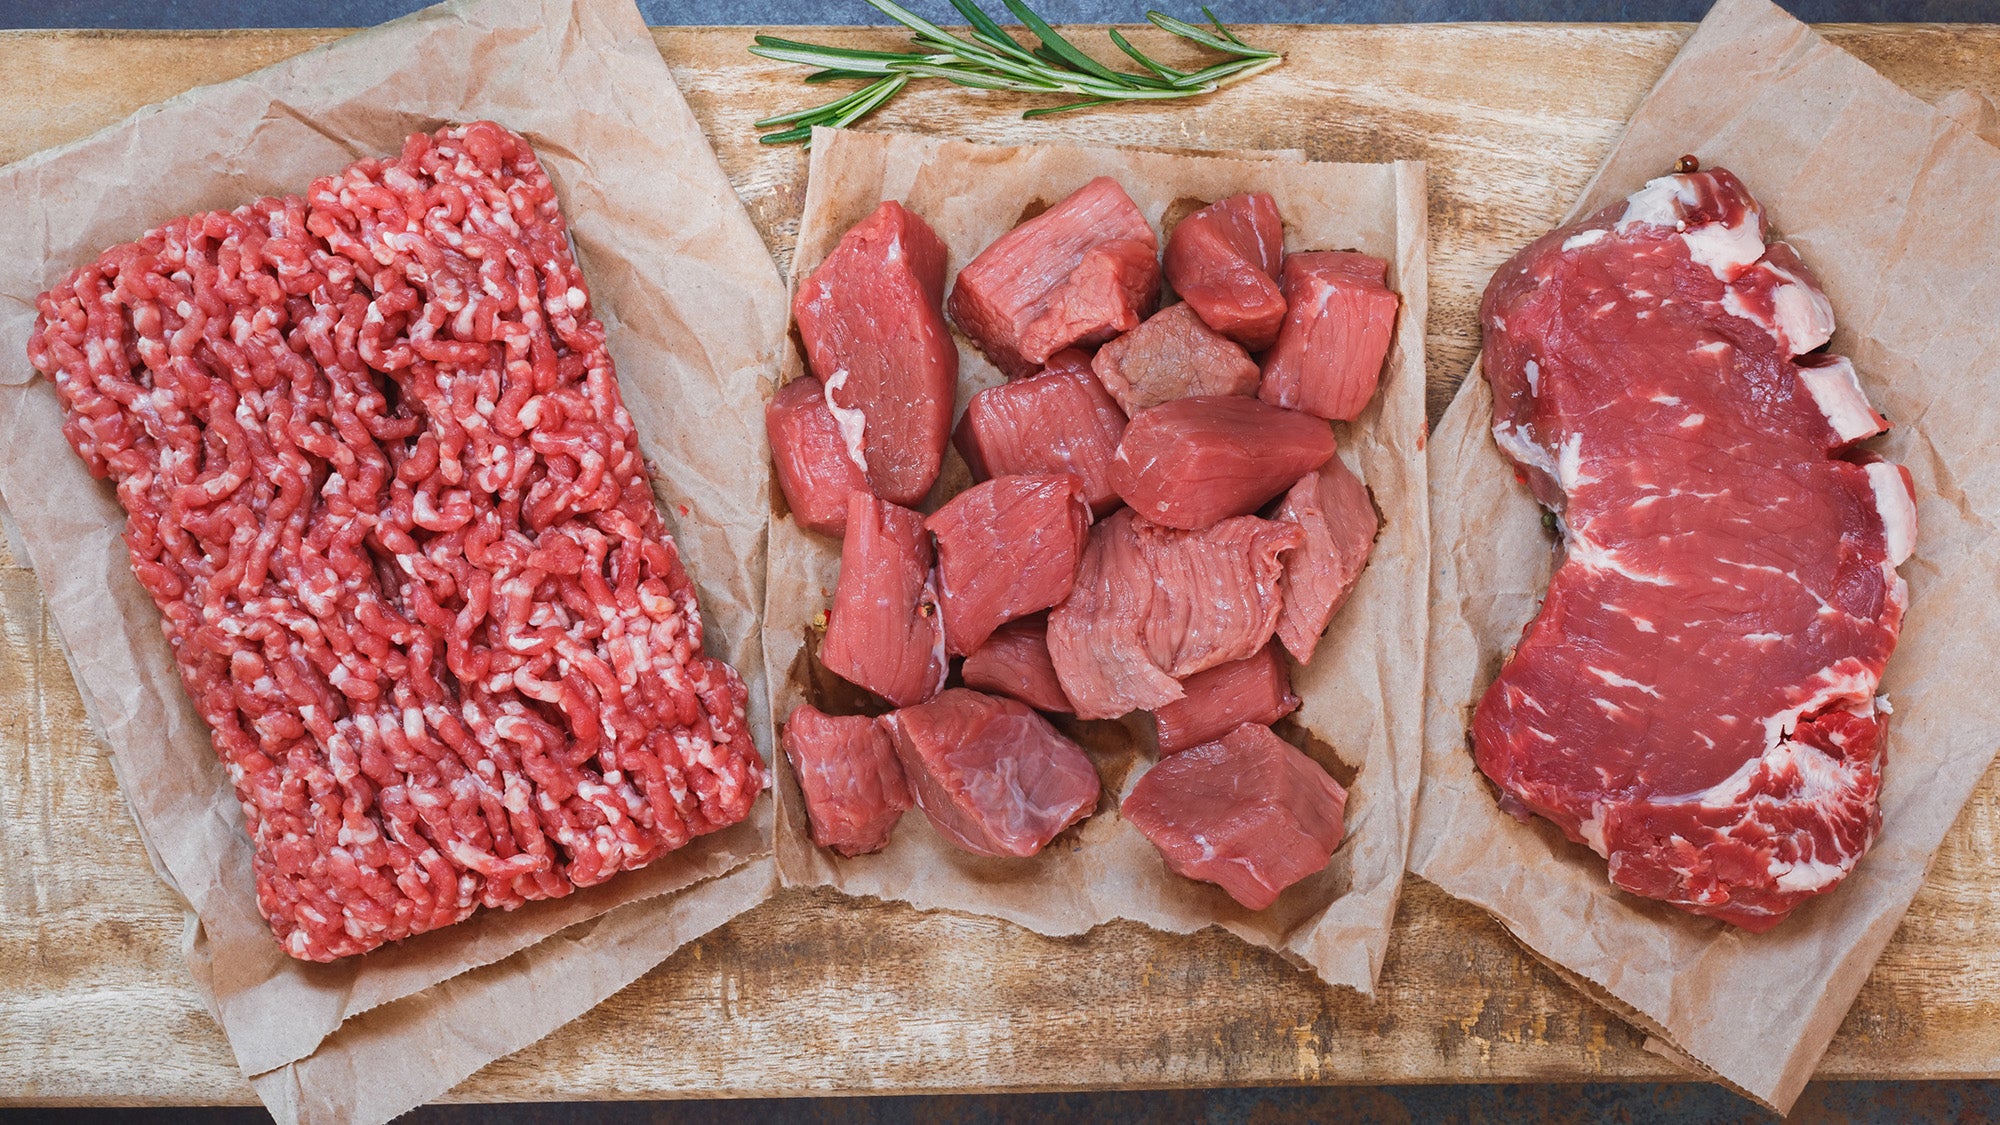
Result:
x=1173 y=355
x=1248 y=812
x=815 y=468
x=850 y=777
x=884 y=632
x=1696 y=700
x=1340 y=315
x=1338 y=518
x=873 y=324
x=1077 y=274
x=1224 y=259
x=382 y=488
x=1152 y=604
x=1005 y=549
x=991 y=775
x=1015 y=662
x=1193 y=461
x=1256 y=689
x=1059 y=421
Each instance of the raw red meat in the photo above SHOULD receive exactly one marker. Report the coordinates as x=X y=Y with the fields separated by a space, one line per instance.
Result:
x=1224 y=260
x=1340 y=315
x=1173 y=355
x=1079 y=273
x=1248 y=813
x=992 y=776
x=1332 y=507
x=873 y=324
x=1006 y=548
x=814 y=470
x=1152 y=604
x=1015 y=662
x=1696 y=700
x=383 y=490
x=1193 y=461
x=884 y=632
x=849 y=775
x=1256 y=689
x=1060 y=421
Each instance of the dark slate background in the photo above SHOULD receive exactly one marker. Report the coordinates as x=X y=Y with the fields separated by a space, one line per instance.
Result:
x=359 y=13
x=1864 y=1103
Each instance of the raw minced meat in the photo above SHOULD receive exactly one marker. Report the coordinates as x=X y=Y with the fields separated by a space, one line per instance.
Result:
x=383 y=489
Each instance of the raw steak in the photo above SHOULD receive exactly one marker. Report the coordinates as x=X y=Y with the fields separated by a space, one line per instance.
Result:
x=1329 y=354
x=1224 y=260
x=1152 y=604
x=1249 y=813
x=1077 y=274
x=1173 y=355
x=1256 y=689
x=1006 y=548
x=873 y=324
x=1060 y=421
x=383 y=490
x=992 y=775
x=811 y=456
x=1333 y=509
x=883 y=632
x=1193 y=461
x=1696 y=700
x=1015 y=662
x=849 y=775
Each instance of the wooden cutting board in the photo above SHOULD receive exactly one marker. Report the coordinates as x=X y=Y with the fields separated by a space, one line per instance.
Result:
x=812 y=992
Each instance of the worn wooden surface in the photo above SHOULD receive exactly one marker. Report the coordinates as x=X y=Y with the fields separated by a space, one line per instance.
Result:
x=811 y=992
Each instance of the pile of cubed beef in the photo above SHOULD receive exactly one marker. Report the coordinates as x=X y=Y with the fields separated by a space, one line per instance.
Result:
x=1158 y=510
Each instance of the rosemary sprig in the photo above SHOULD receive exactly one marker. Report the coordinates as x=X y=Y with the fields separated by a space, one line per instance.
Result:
x=991 y=59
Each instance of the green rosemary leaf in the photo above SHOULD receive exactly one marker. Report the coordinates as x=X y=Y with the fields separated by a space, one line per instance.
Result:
x=873 y=97
x=772 y=42
x=1222 y=74
x=1057 y=45
x=1125 y=45
x=992 y=34
x=1221 y=28
x=1046 y=110
x=1195 y=34
x=992 y=59
x=984 y=81
x=819 y=76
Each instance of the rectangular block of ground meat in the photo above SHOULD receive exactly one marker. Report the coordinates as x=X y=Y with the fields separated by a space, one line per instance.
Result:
x=382 y=487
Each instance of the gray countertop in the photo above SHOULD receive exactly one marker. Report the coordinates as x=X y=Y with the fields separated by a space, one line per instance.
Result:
x=357 y=13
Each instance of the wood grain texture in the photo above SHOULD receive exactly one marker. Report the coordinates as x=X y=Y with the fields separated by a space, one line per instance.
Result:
x=815 y=993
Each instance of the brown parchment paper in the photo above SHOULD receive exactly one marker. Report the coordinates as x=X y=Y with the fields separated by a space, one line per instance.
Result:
x=1361 y=702
x=1891 y=202
x=695 y=312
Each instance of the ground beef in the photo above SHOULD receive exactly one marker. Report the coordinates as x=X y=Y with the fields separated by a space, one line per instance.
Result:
x=384 y=491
